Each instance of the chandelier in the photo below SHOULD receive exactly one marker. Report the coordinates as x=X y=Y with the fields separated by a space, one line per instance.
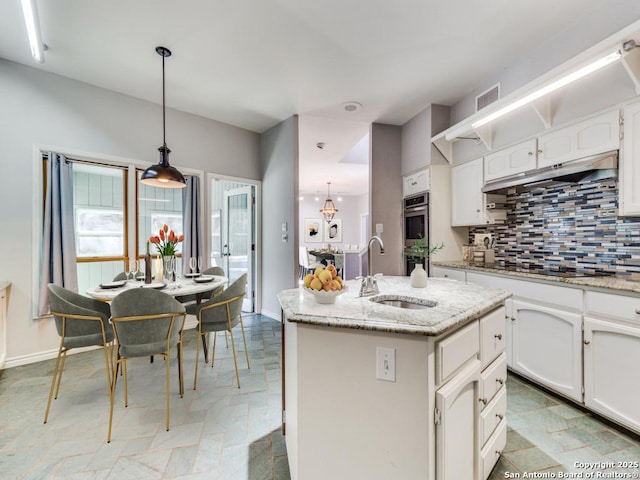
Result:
x=329 y=210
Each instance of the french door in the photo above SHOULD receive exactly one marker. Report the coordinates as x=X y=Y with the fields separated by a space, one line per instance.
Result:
x=238 y=239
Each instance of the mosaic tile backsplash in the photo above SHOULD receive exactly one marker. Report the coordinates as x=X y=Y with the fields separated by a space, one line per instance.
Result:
x=568 y=225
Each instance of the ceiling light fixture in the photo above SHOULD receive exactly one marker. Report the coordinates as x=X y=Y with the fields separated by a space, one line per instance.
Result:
x=329 y=210
x=352 y=107
x=541 y=92
x=32 y=22
x=163 y=175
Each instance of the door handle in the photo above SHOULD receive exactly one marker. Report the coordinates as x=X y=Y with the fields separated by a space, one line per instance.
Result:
x=498 y=336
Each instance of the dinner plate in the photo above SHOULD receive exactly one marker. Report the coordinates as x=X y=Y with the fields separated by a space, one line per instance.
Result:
x=191 y=275
x=156 y=285
x=118 y=284
x=203 y=278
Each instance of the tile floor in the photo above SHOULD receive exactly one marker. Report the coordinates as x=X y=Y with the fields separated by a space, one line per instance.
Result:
x=222 y=432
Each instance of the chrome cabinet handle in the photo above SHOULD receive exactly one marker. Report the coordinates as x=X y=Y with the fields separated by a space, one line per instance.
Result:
x=483 y=401
x=637 y=311
x=498 y=336
x=500 y=416
x=587 y=342
x=500 y=381
x=530 y=154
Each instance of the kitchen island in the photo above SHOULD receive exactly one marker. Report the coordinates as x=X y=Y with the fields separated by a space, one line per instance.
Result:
x=376 y=391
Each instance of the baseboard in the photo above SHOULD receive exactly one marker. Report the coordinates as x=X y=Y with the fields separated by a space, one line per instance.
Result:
x=271 y=315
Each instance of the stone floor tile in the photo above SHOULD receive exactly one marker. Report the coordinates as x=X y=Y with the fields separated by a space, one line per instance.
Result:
x=531 y=459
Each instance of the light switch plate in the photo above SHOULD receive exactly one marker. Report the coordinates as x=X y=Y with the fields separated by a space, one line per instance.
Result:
x=386 y=364
x=379 y=228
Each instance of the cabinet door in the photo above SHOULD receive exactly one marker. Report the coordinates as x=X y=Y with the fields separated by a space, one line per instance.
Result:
x=467 y=199
x=415 y=183
x=630 y=162
x=589 y=137
x=458 y=431
x=516 y=159
x=509 y=319
x=611 y=380
x=547 y=347
x=452 y=273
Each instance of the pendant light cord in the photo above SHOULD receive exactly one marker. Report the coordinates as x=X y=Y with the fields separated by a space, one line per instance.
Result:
x=164 y=128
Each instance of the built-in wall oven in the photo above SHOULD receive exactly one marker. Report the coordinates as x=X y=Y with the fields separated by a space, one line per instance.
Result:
x=416 y=225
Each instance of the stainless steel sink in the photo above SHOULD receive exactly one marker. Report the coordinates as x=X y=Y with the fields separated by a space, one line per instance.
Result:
x=400 y=301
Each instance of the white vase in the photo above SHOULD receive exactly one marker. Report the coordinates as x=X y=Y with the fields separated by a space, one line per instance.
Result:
x=418 y=278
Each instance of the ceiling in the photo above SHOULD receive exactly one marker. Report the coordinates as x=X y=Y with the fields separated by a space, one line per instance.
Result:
x=254 y=63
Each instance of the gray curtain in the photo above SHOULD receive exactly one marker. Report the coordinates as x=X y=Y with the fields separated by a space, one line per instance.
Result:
x=58 y=238
x=192 y=223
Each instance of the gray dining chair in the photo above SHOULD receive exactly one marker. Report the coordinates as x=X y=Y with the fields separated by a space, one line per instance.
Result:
x=146 y=322
x=80 y=322
x=222 y=313
x=194 y=298
x=121 y=276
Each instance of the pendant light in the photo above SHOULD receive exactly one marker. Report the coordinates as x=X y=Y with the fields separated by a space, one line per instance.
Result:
x=163 y=175
x=329 y=210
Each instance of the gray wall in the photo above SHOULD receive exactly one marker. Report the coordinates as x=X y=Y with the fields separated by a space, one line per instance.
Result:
x=45 y=109
x=386 y=197
x=417 y=149
x=279 y=168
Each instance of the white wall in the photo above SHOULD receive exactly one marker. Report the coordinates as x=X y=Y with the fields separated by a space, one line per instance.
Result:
x=349 y=211
x=40 y=108
x=279 y=166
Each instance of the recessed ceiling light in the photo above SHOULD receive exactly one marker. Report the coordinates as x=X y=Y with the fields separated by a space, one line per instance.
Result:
x=352 y=107
x=320 y=145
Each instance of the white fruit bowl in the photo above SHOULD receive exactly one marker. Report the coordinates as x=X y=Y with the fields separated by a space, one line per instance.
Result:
x=322 y=296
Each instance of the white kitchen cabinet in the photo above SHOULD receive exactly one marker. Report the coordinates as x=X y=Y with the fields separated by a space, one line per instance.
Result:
x=611 y=357
x=468 y=203
x=416 y=183
x=629 y=199
x=453 y=273
x=588 y=137
x=509 y=161
x=3 y=322
x=547 y=347
x=458 y=435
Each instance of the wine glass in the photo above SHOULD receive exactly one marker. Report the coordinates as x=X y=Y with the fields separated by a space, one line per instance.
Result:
x=200 y=264
x=193 y=264
x=134 y=266
x=127 y=270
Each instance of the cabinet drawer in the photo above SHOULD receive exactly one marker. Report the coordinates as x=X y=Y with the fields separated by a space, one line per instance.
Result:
x=491 y=452
x=494 y=377
x=617 y=306
x=460 y=275
x=493 y=414
x=456 y=350
x=492 y=336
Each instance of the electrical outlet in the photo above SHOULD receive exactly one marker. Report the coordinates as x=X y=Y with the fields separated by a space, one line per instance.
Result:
x=379 y=228
x=386 y=364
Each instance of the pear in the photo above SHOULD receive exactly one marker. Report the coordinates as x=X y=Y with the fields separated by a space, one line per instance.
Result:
x=325 y=277
x=332 y=269
x=316 y=284
x=307 y=279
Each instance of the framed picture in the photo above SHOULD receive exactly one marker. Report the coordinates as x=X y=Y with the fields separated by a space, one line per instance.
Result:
x=312 y=230
x=333 y=231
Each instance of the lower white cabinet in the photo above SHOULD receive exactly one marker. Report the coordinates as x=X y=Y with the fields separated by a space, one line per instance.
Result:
x=458 y=451
x=453 y=273
x=547 y=347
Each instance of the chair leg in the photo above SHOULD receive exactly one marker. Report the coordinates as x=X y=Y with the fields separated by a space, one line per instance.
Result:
x=53 y=381
x=64 y=358
x=112 y=395
x=180 y=378
x=213 y=347
x=233 y=347
x=124 y=374
x=195 y=375
x=244 y=338
x=226 y=340
x=167 y=362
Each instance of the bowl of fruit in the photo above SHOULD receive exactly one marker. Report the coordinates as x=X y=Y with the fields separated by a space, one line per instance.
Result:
x=324 y=284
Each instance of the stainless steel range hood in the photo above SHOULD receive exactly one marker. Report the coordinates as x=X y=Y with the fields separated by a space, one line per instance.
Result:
x=593 y=168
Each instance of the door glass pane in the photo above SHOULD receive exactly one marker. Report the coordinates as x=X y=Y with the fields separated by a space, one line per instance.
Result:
x=239 y=240
x=157 y=207
x=98 y=204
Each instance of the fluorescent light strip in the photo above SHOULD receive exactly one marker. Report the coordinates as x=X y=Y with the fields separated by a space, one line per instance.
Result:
x=572 y=77
x=30 y=11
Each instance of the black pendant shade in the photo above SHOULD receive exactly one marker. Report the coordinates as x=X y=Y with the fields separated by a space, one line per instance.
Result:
x=163 y=175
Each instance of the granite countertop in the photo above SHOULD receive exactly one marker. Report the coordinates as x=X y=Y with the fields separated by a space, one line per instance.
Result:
x=458 y=303
x=621 y=283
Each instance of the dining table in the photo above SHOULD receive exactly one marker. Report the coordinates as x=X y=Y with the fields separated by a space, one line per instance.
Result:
x=323 y=257
x=180 y=287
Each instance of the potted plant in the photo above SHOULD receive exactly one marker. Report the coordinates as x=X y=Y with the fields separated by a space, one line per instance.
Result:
x=418 y=252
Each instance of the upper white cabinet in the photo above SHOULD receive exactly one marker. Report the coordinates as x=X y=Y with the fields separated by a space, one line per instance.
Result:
x=516 y=159
x=468 y=203
x=467 y=199
x=630 y=162
x=589 y=137
x=416 y=183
